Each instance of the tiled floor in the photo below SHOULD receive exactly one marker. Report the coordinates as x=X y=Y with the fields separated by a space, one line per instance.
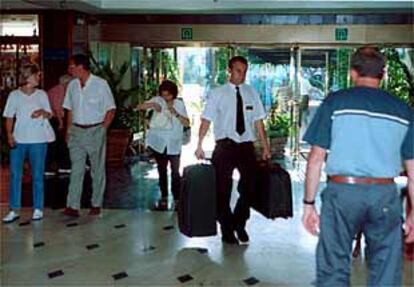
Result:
x=131 y=239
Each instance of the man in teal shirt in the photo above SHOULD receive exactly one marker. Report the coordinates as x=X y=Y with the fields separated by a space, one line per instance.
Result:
x=368 y=133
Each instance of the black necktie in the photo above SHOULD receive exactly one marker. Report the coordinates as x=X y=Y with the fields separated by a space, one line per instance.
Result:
x=240 y=128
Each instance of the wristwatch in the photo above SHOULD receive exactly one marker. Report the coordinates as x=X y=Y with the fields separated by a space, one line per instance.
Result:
x=308 y=202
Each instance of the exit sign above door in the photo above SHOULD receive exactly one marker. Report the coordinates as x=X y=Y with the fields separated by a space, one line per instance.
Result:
x=341 y=34
x=187 y=33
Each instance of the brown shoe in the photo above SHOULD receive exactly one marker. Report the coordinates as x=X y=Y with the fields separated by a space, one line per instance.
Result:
x=68 y=211
x=95 y=211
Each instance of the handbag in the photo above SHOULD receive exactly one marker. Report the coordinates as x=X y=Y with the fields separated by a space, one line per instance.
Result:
x=186 y=135
x=50 y=133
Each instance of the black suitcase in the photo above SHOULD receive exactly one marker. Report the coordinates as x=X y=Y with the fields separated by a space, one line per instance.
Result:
x=197 y=204
x=273 y=194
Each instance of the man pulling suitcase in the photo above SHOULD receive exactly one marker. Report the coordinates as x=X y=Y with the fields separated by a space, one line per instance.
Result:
x=236 y=111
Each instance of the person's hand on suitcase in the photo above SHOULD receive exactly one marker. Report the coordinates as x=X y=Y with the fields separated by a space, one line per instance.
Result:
x=310 y=219
x=266 y=154
x=199 y=153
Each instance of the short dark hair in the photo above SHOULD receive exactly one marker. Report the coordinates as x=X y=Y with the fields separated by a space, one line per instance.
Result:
x=170 y=87
x=368 y=62
x=239 y=59
x=81 y=59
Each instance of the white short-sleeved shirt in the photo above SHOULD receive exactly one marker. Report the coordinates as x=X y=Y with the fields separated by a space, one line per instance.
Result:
x=21 y=106
x=221 y=109
x=170 y=139
x=90 y=103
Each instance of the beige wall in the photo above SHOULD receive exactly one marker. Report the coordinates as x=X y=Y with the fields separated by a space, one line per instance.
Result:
x=288 y=35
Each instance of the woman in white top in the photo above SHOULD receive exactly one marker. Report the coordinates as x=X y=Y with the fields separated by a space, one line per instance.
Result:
x=27 y=114
x=165 y=137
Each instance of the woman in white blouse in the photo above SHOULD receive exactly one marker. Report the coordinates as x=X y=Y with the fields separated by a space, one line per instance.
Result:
x=27 y=114
x=165 y=137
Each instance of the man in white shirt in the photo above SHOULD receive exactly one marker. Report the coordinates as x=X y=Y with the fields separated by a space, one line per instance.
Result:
x=91 y=109
x=236 y=111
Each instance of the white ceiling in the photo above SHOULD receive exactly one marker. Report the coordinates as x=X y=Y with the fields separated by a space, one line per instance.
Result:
x=212 y=6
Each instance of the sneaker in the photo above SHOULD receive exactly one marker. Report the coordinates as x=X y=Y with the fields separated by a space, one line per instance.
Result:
x=68 y=211
x=49 y=173
x=64 y=170
x=95 y=211
x=10 y=217
x=229 y=238
x=242 y=236
x=37 y=214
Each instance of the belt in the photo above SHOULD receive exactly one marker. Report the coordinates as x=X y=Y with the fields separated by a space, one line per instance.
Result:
x=360 y=180
x=227 y=141
x=87 y=126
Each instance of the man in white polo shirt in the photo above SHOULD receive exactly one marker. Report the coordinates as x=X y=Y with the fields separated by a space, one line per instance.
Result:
x=91 y=108
x=236 y=111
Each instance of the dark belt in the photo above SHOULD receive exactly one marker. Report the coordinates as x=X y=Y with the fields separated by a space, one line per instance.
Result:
x=230 y=142
x=360 y=180
x=87 y=126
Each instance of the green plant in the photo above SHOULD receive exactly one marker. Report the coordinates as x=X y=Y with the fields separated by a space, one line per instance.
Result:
x=400 y=81
x=125 y=99
x=278 y=125
x=221 y=56
x=169 y=67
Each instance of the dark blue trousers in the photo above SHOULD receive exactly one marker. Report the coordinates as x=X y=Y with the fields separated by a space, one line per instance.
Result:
x=376 y=210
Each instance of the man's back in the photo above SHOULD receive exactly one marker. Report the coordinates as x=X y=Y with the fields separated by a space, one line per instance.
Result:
x=368 y=127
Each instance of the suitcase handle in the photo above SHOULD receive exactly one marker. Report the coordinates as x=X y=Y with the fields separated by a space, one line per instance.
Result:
x=269 y=164
x=205 y=160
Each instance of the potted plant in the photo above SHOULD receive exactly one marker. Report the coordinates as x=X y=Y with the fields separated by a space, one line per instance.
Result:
x=126 y=119
x=277 y=128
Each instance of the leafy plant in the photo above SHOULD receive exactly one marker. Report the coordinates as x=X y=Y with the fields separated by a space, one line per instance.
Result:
x=400 y=82
x=125 y=99
x=169 y=67
x=278 y=125
x=222 y=57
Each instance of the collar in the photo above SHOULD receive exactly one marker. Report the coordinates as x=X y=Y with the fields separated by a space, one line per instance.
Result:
x=233 y=86
x=88 y=81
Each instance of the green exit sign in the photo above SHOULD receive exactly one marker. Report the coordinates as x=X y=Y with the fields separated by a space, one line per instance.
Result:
x=341 y=34
x=187 y=33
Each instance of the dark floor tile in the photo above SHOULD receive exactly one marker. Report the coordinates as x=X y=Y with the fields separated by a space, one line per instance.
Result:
x=38 y=244
x=120 y=275
x=202 y=250
x=251 y=281
x=149 y=248
x=24 y=223
x=56 y=273
x=168 y=227
x=185 y=278
x=92 y=246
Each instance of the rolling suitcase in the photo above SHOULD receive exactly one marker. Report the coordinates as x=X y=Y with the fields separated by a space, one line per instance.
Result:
x=197 y=204
x=273 y=194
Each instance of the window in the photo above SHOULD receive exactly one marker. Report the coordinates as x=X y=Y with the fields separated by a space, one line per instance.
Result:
x=19 y=25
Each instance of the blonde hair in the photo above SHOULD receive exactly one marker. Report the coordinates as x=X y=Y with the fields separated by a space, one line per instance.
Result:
x=26 y=71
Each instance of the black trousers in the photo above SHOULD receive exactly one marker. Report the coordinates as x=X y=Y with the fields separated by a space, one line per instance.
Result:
x=162 y=160
x=58 y=152
x=227 y=156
